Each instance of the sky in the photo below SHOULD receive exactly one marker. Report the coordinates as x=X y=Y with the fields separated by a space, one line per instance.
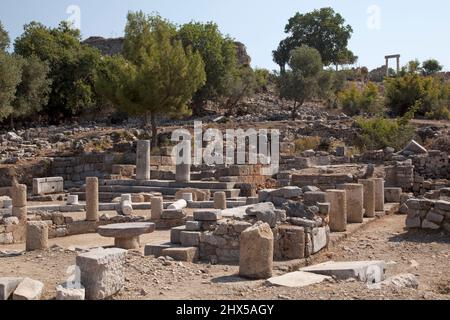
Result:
x=412 y=28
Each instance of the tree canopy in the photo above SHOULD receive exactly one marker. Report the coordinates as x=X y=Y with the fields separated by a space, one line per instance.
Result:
x=304 y=79
x=324 y=30
x=72 y=66
x=157 y=75
x=218 y=53
x=4 y=38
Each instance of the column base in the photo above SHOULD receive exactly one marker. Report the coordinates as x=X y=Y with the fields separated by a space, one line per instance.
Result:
x=127 y=243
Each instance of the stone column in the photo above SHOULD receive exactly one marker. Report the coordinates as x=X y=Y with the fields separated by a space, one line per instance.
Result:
x=37 y=236
x=379 y=194
x=157 y=207
x=338 y=210
x=92 y=199
x=387 y=67
x=355 y=196
x=183 y=164
x=369 y=197
x=19 y=210
x=143 y=160
x=220 y=200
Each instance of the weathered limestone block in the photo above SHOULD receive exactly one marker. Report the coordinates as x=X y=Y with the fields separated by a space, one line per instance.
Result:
x=72 y=200
x=65 y=293
x=28 y=289
x=392 y=195
x=42 y=186
x=37 y=236
x=355 y=202
x=190 y=238
x=102 y=272
x=256 y=252
x=92 y=199
x=207 y=215
x=369 y=197
x=7 y=286
x=175 y=234
x=188 y=254
x=264 y=212
x=338 y=210
x=311 y=198
x=197 y=194
x=290 y=242
x=220 y=200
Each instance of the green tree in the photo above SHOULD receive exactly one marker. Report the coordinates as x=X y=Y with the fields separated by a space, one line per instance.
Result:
x=34 y=88
x=324 y=30
x=239 y=85
x=4 y=38
x=301 y=83
x=355 y=101
x=10 y=76
x=157 y=75
x=72 y=66
x=430 y=96
x=430 y=67
x=219 y=55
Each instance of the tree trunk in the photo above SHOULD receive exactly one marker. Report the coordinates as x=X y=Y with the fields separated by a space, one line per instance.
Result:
x=12 y=122
x=198 y=107
x=294 y=111
x=154 y=130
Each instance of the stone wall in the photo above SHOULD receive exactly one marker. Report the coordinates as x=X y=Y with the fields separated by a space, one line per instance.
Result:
x=428 y=214
x=76 y=169
x=434 y=165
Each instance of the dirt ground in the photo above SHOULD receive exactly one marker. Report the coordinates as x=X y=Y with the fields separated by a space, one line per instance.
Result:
x=425 y=255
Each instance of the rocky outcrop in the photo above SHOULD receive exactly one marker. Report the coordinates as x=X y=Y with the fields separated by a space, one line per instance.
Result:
x=109 y=46
x=112 y=46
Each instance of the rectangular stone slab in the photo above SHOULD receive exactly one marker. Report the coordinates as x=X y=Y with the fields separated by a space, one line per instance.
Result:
x=50 y=185
x=297 y=279
x=374 y=271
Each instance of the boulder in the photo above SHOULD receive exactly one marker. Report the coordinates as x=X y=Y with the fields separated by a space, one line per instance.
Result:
x=28 y=289
x=7 y=286
x=264 y=212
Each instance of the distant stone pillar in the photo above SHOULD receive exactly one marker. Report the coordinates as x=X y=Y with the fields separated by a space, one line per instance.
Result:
x=338 y=210
x=183 y=164
x=387 y=67
x=369 y=197
x=92 y=199
x=157 y=205
x=143 y=160
x=355 y=200
x=379 y=194
x=19 y=210
x=220 y=200
x=37 y=236
x=398 y=65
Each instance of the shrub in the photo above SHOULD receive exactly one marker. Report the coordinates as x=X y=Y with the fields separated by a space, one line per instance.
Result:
x=431 y=96
x=356 y=101
x=379 y=133
x=307 y=143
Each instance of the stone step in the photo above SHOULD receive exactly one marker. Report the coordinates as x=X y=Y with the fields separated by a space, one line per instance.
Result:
x=187 y=254
x=105 y=195
x=172 y=184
